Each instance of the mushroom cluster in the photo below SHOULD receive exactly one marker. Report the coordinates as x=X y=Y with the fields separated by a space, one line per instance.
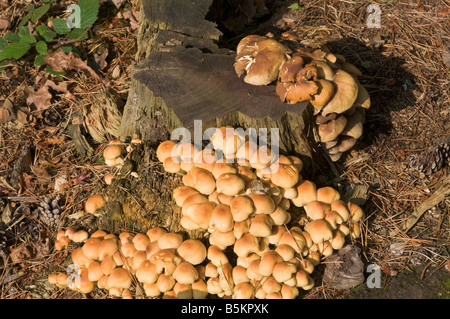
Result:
x=244 y=203
x=326 y=80
x=161 y=262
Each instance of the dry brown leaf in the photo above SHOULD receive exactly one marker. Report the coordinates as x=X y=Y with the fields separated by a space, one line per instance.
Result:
x=4 y=24
x=41 y=173
x=60 y=87
x=61 y=62
x=132 y=16
x=4 y=115
x=40 y=98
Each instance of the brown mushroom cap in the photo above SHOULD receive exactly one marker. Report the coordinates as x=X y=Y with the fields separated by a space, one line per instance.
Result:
x=191 y=200
x=284 y=175
x=345 y=96
x=119 y=278
x=216 y=256
x=332 y=129
x=155 y=233
x=246 y=245
x=164 y=150
x=296 y=92
x=261 y=225
x=200 y=179
x=307 y=192
x=199 y=289
x=112 y=155
x=185 y=273
x=93 y=203
x=354 y=125
x=91 y=248
x=294 y=239
x=356 y=212
x=285 y=251
x=223 y=168
x=79 y=236
x=283 y=271
x=200 y=214
x=205 y=159
x=316 y=209
x=107 y=247
x=82 y=282
x=94 y=271
x=327 y=195
x=221 y=218
x=230 y=184
x=241 y=208
x=319 y=230
x=108 y=264
x=172 y=165
x=263 y=203
x=222 y=239
x=324 y=71
x=268 y=261
x=170 y=240
x=363 y=98
x=239 y=275
x=192 y=251
x=265 y=58
x=227 y=139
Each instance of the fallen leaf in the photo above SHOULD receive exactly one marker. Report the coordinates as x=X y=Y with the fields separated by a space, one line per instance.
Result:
x=4 y=24
x=4 y=115
x=41 y=173
x=61 y=62
x=41 y=98
x=60 y=87
x=132 y=16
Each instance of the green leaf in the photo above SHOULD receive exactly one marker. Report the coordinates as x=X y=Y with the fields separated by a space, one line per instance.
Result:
x=25 y=20
x=39 y=12
x=51 y=71
x=41 y=48
x=60 y=26
x=39 y=60
x=12 y=37
x=28 y=38
x=3 y=43
x=88 y=13
x=15 y=50
x=30 y=8
x=66 y=49
x=45 y=32
x=78 y=34
x=2 y=65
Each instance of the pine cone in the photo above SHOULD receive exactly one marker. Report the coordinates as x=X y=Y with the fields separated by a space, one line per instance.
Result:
x=433 y=160
x=49 y=211
x=3 y=240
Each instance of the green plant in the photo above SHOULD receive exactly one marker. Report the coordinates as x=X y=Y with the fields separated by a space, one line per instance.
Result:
x=15 y=45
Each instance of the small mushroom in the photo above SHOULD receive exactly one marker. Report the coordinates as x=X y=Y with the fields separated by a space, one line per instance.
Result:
x=332 y=129
x=113 y=154
x=345 y=95
x=94 y=203
x=319 y=230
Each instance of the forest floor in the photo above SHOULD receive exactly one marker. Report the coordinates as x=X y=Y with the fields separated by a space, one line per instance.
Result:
x=405 y=65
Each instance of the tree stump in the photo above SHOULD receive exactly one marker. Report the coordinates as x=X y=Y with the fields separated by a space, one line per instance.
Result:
x=182 y=75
